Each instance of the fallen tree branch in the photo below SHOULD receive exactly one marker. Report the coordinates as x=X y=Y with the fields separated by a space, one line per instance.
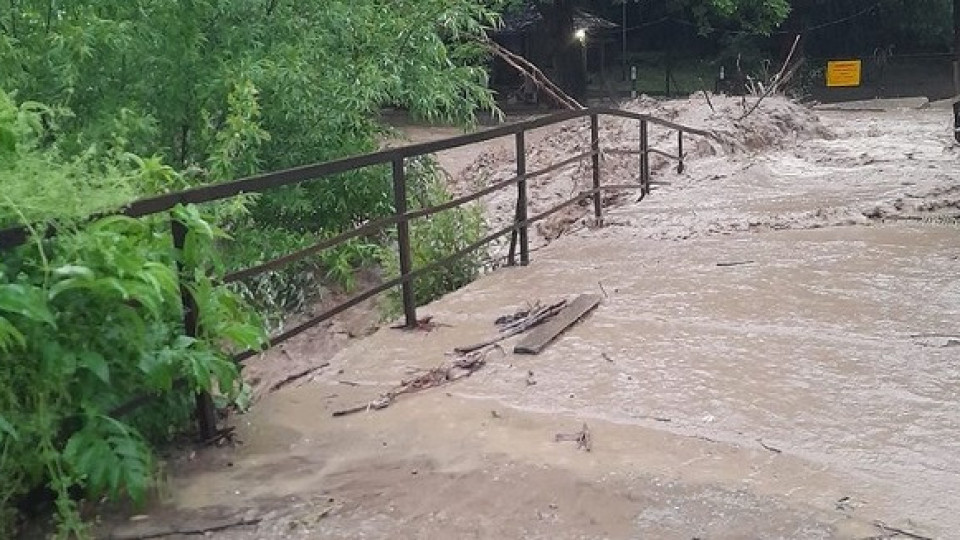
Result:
x=517 y=327
x=521 y=317
x=464 y=366
x=424 y=324
x=223 y=436
x=296 y=377
x=168 y=530
x=885 y=528
x=766 y=446
x=583 y=438
x=525 y=67
x=777 y=79
x=709 y=103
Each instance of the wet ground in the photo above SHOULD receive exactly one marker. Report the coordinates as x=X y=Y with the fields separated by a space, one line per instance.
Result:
x=777 y=355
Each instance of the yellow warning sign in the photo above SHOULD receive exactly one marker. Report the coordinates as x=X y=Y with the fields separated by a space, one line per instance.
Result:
x=843 y=73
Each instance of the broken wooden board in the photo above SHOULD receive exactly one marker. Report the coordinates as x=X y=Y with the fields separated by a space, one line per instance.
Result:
x=543 y=335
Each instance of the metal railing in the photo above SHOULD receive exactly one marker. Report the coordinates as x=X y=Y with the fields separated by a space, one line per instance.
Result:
x=12 y=237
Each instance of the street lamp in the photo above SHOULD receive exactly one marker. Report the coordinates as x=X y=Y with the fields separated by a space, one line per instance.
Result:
x=581 y=36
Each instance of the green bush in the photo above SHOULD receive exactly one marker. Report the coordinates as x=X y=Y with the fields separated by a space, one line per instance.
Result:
x=278 y=293
x=91 y=319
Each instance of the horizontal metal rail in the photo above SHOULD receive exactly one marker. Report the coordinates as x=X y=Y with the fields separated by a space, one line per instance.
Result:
x=373 y=291
x=14 y=236
x=383 y=223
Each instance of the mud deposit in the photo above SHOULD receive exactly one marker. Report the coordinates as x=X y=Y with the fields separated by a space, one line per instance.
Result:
x=777 y=356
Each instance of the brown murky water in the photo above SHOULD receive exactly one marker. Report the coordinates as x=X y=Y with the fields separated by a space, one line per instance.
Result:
x=806 y=393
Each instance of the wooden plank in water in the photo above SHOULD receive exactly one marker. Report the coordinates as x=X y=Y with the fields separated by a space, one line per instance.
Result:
x=543 y=335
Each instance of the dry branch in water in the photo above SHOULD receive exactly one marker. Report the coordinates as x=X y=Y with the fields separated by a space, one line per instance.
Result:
x=887 y=529
x=294 y=377
x=197 y=530
x=463 y=366
x=709 y=103
x=536 y=316
x=527 y=69
x=424 y=324
x=583 y=438
x=778 y=80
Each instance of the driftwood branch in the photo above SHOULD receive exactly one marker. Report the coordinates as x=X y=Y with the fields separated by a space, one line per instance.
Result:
x=526 y=68
x=198 y=530
x=226 y=435
x=778 y=79
x=294 y=377
x=462 y=367
x=901 y=532
x=766 y=446
x=536 y=316
x=583 y=438
x=709 y=103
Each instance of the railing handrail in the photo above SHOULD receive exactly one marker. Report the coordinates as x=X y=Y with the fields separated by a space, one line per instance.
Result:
x=17 y=235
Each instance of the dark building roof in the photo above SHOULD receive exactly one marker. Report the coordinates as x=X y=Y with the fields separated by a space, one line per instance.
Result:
x=526 y=20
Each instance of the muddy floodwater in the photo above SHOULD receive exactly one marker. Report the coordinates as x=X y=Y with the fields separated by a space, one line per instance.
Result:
x=776 y=355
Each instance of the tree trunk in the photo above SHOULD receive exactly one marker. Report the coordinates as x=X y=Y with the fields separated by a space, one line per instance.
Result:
x=568 y=57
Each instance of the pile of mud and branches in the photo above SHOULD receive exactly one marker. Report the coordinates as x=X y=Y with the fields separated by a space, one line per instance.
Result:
x=737 y=125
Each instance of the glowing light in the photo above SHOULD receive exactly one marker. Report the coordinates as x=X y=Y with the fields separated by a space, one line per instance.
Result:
x=581 y=35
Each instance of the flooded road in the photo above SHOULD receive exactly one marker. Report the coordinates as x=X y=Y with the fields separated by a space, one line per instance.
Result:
x=830 y=345
x=777 y=355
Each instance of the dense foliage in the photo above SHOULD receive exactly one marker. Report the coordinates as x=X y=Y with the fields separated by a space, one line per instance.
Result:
x=559 y=19
x=91 y=319
x=148 y=96
x=700 y=35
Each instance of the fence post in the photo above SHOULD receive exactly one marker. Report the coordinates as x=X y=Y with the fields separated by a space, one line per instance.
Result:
x=206 y=413
x=644 y=159
x=403 y=241
x=680 y=151
x=522 y=199
x=595 y=158
x=956 y=119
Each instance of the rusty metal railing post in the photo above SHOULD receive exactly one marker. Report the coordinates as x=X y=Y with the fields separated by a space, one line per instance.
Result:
x=595 y=159
x=644 y=159
x=403 y=242
x=522 y=199
x=680 y=151
x=956 y=120
x=205 y=411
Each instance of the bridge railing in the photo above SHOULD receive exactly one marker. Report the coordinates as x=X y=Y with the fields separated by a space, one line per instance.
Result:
x=397 y=157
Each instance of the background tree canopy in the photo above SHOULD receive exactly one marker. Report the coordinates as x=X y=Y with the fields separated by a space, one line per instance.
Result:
x=558 y=16
x=105 y=101
x=266 y=83
x=752 y=30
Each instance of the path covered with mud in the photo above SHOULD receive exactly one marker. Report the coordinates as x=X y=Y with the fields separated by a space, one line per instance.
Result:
x=777 y=355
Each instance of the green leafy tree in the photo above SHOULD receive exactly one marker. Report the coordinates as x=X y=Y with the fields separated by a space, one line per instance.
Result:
x=225 y=88
x=220 y=89
x=861 y=26
x=147 y=96
x=93 y=318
